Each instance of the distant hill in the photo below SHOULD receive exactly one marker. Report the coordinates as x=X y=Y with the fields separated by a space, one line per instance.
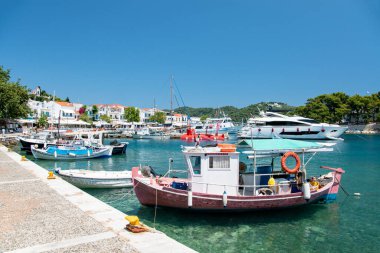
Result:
x=237 y=114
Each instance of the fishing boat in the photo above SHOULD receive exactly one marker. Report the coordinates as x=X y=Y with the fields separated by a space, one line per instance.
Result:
x=118 y=147
x=40 y=139
x=96 y=179
x=147 y=133
x=218 y=181
x=274 y=125
x=96 y=139
x=74 y=151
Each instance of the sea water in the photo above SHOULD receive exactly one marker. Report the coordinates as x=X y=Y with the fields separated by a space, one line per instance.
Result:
x=351 y=224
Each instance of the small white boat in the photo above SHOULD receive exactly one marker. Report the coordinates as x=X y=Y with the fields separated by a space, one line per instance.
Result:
x=216 y=125
x=97 y=179
x=147 y=133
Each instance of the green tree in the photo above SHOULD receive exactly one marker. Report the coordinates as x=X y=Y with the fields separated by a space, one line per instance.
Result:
x=374 y=107
x=94 y=111
x=85 y=118
x=105 y=118
x=13 y=98
x=42 y=121
x=203 y=118
x=132 y=114
x=158 y=117
x=67 y=99
x=5 y=75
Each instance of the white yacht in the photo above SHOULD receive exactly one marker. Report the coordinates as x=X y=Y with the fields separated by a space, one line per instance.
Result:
x=212 y=125
x=275 y=125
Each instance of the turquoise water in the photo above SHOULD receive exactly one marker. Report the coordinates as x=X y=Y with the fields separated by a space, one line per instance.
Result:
x=351 y=224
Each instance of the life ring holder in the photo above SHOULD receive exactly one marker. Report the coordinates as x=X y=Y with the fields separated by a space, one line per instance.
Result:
x=285 y=168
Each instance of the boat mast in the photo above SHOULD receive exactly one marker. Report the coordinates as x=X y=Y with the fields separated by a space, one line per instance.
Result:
x=171 y=95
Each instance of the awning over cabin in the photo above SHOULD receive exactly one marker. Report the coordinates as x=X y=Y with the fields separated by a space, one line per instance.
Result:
x=283 y=145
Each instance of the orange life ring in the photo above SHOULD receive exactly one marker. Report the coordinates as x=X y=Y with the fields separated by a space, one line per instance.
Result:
x=283 y=162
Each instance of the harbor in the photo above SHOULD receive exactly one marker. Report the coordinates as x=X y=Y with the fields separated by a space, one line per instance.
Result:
x=189 y=126
x=318 y=225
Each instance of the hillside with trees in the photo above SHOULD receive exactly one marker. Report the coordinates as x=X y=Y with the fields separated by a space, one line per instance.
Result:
x=237 y=114
x=341 y=108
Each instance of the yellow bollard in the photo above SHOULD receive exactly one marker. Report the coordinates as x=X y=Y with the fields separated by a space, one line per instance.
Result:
x=51 y=175
x=133 y=220
x=23 y=158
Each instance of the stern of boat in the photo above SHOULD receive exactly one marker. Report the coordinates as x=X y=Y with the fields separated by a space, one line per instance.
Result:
x=337 y=177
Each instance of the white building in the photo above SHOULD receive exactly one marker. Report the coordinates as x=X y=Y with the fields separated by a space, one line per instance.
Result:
x=177 y=119
x=146 y=113
x=114 y=111
x=65 y=112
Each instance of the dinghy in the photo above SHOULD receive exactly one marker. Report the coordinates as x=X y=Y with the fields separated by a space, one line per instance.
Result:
x=96 y=179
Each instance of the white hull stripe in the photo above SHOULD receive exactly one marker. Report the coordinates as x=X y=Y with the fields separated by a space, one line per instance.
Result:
x=66 y=243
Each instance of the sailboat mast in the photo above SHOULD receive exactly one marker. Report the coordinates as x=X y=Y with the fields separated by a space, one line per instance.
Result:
x=171 y=94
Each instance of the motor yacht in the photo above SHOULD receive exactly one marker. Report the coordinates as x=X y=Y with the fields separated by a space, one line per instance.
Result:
x=276 y=125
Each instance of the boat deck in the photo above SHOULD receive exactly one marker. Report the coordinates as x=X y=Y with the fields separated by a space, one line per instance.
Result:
x=41 y=215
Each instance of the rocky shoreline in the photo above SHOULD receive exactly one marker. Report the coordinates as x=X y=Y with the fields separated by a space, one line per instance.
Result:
x=372 y=128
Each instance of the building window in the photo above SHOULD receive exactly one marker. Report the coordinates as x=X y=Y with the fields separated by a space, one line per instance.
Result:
x=219 y=162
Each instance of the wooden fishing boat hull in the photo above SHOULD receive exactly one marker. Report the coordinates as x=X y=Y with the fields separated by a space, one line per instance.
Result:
x=119 y=180
x=42 y=154
x=174 y=198
x=27 y=143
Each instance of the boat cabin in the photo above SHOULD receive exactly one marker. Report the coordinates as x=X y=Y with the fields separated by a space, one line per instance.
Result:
x=218 y=170
x=213 y=169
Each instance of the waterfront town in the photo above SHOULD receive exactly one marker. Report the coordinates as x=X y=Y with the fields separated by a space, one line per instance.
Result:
x=189 y=126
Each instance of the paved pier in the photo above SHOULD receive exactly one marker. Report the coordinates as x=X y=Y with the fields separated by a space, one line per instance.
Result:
x=41 y=215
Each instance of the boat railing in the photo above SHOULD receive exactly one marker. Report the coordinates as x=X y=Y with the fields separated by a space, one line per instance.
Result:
x=277 y=188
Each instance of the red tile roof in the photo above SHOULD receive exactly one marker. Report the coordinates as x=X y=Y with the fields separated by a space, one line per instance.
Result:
x=64 y=103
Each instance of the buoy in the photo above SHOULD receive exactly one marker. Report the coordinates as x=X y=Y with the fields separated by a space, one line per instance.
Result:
x=51 y=175
x=271 y=181
x=224 y=198
x=306 y=191
x=88 y=153
x=55 y=154
x=357 y=194
x=23 y=158
x=190 y=198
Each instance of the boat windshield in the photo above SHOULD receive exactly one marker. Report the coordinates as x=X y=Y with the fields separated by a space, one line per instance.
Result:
x=196 y=164
x=310 y=121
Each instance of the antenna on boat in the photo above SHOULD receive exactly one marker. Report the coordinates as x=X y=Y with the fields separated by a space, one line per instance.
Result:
x=170 y=165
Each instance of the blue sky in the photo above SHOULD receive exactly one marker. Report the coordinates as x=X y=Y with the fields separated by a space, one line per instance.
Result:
x=220 y=52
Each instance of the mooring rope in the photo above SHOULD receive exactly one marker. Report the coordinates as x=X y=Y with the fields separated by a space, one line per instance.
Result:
x=155 y=212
